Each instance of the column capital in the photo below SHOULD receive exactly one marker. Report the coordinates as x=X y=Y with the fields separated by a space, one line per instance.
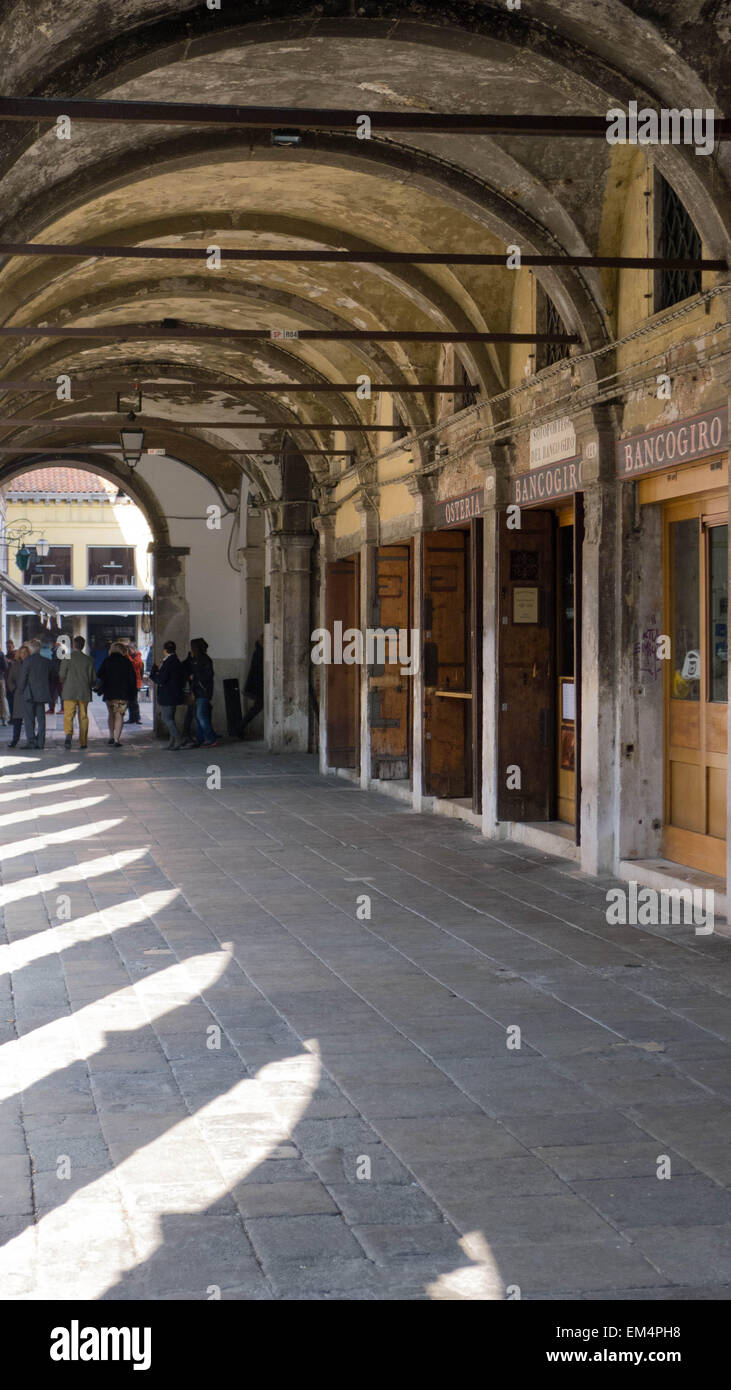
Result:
x=368 y=513
x=598 y=428
x=325 y=529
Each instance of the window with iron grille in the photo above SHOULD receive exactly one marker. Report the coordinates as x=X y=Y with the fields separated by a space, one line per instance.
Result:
x=548 y=320
x=677 y=239
x=466 y=397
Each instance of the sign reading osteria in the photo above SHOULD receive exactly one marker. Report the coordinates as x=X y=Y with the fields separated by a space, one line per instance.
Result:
x=454 y=511
x=682 y=441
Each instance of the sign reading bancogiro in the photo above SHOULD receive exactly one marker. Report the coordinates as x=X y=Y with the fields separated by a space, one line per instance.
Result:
x=679 y=442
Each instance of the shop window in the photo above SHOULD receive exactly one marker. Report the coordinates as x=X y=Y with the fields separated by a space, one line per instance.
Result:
x=685 y=578
x=676 y=238
x=548 y=320
x=718 y=613
x=53 y=568
x=113 y=564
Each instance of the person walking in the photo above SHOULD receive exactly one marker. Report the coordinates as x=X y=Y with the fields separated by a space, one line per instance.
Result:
x=135 y=656
x=4 y=715
x=15 y=694
x=54 y=679
x=254 y=687
x=199 y=668
x=119 y=685
x=78 y=678
x=35 y=676
x=188 y=740
x=169 y=678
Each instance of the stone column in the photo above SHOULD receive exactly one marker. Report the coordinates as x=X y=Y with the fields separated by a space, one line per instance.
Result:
x=496 y=466
x=171 y=620
x=172 y=614
x=288 y=664
x=596 y=434
x=251 y=561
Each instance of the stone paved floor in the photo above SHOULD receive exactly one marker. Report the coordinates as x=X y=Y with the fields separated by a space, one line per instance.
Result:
x=216 y=1075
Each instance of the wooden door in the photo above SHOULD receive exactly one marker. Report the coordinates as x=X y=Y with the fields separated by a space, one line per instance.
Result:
x=446 y=666
x=695 y=564
x=343 y=682
x=526 y=738
x=389 y=689
x=566 y=723
x=476 y=572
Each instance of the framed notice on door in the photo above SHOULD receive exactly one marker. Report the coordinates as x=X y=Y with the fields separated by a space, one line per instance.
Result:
x=525 y=605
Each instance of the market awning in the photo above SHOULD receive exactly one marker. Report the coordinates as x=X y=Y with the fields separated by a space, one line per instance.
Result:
x=119 y=602
x=20 y=600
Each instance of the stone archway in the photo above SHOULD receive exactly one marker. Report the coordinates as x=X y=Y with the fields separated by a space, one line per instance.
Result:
x=170 y=604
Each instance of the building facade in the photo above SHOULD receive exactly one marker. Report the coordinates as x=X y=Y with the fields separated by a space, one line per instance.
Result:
x=95 y=567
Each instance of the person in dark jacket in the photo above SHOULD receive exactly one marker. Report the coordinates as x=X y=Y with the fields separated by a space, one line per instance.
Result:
x=35 y=675
x=199 y=668
x=118 y=681
x=16 y=698
x=254 y=687
x=54 y=680
x=169 y=679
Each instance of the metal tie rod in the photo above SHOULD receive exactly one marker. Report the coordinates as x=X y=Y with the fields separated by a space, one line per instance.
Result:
x=376 y=257
x=296 y=119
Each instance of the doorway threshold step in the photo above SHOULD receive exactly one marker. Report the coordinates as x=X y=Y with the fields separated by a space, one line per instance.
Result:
x=551 y=836
x=664 y=874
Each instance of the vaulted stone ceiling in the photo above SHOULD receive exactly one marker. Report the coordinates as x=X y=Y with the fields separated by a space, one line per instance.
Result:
x=184 y=186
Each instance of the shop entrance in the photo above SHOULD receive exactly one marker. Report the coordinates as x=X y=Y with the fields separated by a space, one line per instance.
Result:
x=342 y=604
x=103 y=630
x=539 y=633
x=696 y=687
x=389 y=689
x=452 y=663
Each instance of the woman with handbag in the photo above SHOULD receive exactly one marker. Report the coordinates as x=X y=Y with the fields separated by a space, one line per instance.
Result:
x=117 y=685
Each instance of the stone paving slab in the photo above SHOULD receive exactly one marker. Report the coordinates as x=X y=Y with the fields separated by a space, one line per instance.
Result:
x=217 y=1073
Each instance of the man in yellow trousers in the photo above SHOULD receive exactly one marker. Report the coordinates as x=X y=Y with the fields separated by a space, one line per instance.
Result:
x=78 y=676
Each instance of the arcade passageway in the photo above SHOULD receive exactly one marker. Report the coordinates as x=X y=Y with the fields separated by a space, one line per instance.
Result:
x=260 y=1040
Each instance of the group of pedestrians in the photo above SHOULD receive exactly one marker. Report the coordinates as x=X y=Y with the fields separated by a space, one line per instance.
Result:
x=35 y=677
x=188 y=683
x=35 y=680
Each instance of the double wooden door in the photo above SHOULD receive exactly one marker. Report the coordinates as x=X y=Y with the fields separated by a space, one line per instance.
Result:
x=452 y=663
x=389 y=687
x=695 y=569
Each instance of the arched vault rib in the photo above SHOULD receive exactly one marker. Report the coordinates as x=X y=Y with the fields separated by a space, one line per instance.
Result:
x=106 y=466
x=192 y=449
x=608 y=50
x=576 y=292
x=222 y=303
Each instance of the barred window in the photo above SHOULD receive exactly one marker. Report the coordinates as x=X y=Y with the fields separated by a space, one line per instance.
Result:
x=677 y=239
x=467 y=396
x=548 y=320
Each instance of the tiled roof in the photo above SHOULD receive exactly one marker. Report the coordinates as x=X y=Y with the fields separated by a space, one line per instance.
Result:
x=60 y=481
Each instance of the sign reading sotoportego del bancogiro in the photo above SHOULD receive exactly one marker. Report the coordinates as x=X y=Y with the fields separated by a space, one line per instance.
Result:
x=682 y=441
